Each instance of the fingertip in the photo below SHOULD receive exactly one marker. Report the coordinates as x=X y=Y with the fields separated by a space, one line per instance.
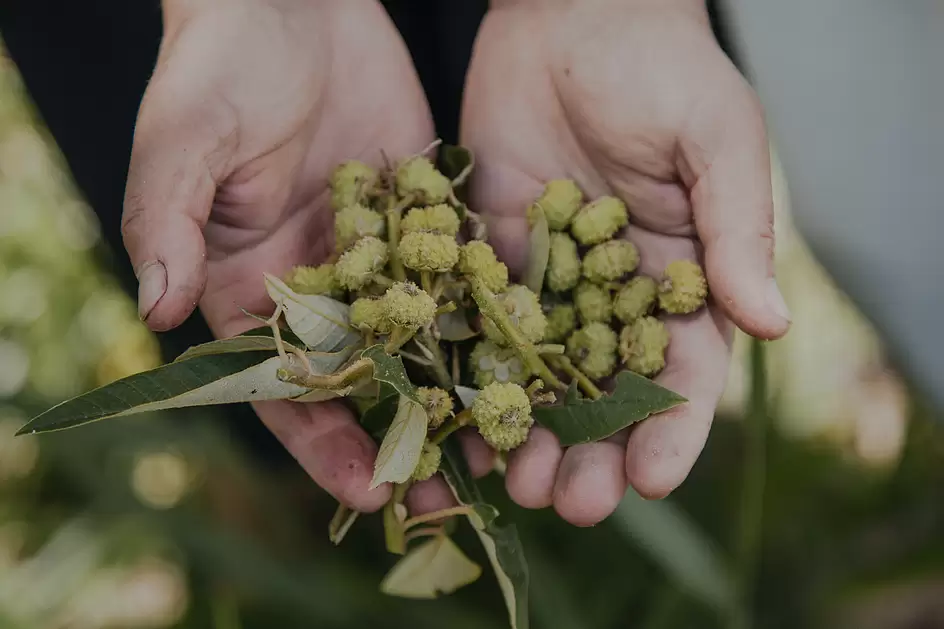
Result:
x=479 y=455
x=750 y=297
x=590 y=483
x=429 y=495
x=532 y=469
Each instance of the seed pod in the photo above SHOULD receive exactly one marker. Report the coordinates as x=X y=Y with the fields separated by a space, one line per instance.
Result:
x=314 y=280
x=635 y=299
x=563 y=263
x=599 y=220
x=478 y=259
x=502 y=413
x=560 y=201
x=561 y=321
x=491 y=363
x=369 y=312
x=407 y=305
x=441 y=219
x=524 y=310
x=428 y=465
x=683 y=288
x=610 y=261
x=351 y=183
x=593 y=303
x=354 y=222
x=593 y=349
x=358 y=265
x=437 y=403
x=418 y=177
x=643 y=344
x=428 y=251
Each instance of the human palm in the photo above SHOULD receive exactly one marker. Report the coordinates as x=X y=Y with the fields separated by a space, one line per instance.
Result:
x=633 y=99
x=251 y=106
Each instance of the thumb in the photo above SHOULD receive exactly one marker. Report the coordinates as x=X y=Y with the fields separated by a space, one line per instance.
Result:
x=180 y=149
x=726 y=163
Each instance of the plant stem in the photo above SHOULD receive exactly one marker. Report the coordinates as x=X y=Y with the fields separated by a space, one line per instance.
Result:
x=437 y=515
x=446 y=308
x=426 y=282
x=563 y=363
x=398 y=338
x=394 y=528
x=341 y=523
x=753 y=480
x=337 y=380
x=550 y=350
x=393 y=235
x=524 y=348
x=439 y=370
x=462 y=419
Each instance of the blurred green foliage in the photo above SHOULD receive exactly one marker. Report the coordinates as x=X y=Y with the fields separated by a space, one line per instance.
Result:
x=165 y=521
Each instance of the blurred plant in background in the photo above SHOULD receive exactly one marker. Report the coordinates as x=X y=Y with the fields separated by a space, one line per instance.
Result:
x=817 y=502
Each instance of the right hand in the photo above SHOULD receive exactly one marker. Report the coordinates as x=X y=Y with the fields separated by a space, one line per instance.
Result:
x=251 y=105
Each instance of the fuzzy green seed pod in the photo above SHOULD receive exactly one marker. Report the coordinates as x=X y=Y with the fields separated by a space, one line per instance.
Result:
x=635 y=299
x=524 y=310
x=407 y=305
x=418 y=176
x=314 y=280
x=428 y=465
x=437 y=403
x=610 y=261
x=683 y=288
x=593 y=302
x=354 y=222
x=560 y=201
x=351 y=182
x=642 y=346
x=599 y=220
x=478 y=258
x=427 y=251
x=502 y=413
x=358 y=265
x=593 y=349
x=491 y=363
x=369 y=312
x=441 y=219
x=563 y=263
x=561 y=321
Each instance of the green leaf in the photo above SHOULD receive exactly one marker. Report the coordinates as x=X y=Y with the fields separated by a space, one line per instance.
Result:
x=204 y=380
x=257 y=339
x=402 y=445
x=580 y=420
x=390 y=369
x=377 y=419
x=539 y=247
x=320 y=322
x=675 y=543
x=501 y=543
x=434 y=567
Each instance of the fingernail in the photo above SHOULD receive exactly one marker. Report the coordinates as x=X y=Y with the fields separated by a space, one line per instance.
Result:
x=152 y=284
x=775 y=300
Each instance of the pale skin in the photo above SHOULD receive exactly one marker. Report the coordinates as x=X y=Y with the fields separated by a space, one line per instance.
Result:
x=253 y=103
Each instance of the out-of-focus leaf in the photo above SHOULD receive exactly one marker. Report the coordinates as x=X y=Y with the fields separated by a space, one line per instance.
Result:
x=390 y=369
x=434 y=567
x=501 y=543
x=539 y=247
x=322 y=323
x=467 y=395
x=454 y=326
x=679 y=547
x=454 y=161
x=581 y=420
x=255 y=340
x=377 y=419
x=402 y=445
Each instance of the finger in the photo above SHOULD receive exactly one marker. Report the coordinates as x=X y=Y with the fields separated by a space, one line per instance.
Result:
x=331 y=447
x=725 y=160
x=590 y=483
x=181 y=144
x=434 y=494
x=478 y=454
x=662 y=449
x=532 y=469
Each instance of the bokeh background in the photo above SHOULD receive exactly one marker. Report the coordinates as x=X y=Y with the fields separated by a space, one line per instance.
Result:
x=817 y=502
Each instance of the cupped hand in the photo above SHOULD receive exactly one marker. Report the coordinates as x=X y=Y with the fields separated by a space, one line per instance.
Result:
x=632 y=98
x=252 y=104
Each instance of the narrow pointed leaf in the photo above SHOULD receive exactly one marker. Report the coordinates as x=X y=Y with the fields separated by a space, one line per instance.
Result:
x=539 y=247
x=400 y=450
x=320 y=322
x=501 y=543
x=434 y=567
x=255 y=340
x=390 y=369
x=580 y=420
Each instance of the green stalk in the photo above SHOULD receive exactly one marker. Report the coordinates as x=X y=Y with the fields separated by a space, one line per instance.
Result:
x=438 y=368
x=526 y=350
x=454 y=424
x=583 y=381
x=393 y=237
x=394 y=531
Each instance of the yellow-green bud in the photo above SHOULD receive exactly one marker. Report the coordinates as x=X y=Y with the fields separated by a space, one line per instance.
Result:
x=478 y=258
x=635 y=299
x=354 y=222
x=561 y=321
x=434 y=218
x=642 y=346
x=351 y=182
x=407 y=305
x=314 y=280
x=437 y=403
x=599 y=220
x=524 y=310
x=427 y=251
x=593 y=349
x=358 y=265
x=369 y=312
x=610 y=261
x=563 y=263
x=560 y=201
x=683 y=288
x=593 y=302
x=418 y=176
x=502 y=413
x=490 y=363
x=430 y=458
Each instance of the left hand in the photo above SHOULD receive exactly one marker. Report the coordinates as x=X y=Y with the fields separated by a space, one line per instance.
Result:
x=632 y=98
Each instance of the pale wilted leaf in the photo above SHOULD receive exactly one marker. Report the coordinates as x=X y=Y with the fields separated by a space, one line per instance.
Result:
x=320 y=322
x=401 y=447
x=434 y=567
